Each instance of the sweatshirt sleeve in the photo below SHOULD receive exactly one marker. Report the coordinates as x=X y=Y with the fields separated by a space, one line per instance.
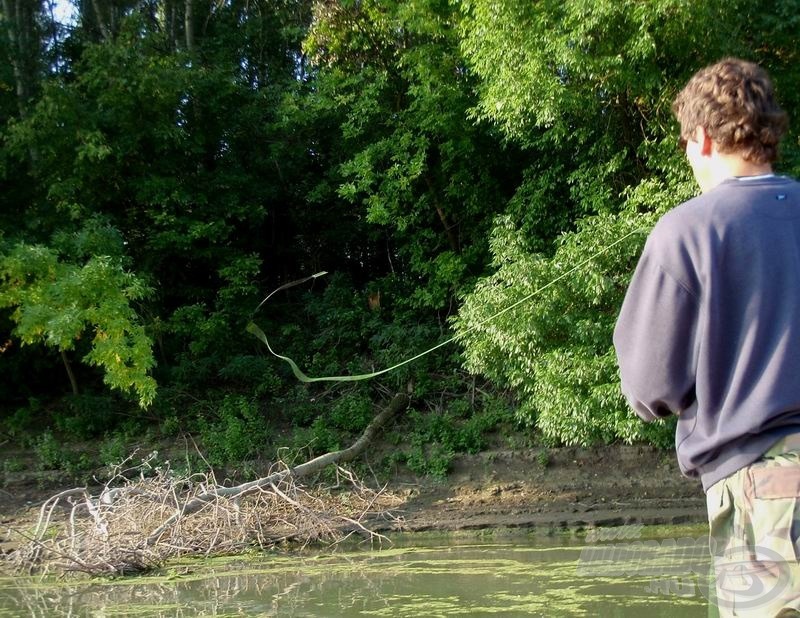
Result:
x=655 y=340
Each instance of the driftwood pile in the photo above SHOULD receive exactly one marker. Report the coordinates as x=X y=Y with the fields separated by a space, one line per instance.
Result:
x=135 y=524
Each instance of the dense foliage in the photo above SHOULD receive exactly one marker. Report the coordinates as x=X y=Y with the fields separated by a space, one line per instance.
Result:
x=165 y=164
x=55 y=302
x=603 y=117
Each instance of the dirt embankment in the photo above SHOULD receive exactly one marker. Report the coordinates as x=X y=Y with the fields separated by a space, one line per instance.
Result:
x=553 y=489
x=545 y=489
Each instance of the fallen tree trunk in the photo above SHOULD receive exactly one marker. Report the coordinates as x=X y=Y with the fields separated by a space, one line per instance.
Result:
x=398 y=403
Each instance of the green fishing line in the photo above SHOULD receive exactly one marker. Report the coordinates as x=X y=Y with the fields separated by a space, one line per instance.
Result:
x=255 y=330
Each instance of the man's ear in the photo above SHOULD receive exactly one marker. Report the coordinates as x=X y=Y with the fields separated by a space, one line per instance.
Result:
x=705 y=141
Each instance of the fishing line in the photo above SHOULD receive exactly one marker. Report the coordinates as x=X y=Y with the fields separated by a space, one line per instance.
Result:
x=255 y=330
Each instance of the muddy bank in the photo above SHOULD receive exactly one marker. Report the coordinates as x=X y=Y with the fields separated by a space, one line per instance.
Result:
x=551 y=489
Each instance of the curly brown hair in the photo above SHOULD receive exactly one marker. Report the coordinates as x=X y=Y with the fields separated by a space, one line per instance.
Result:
x=734 y=101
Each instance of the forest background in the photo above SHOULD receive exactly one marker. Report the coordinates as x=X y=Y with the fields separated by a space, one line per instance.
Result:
x=165 y=164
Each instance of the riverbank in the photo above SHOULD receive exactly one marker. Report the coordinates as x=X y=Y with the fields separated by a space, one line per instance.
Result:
x=551 y=490
x=545 y=490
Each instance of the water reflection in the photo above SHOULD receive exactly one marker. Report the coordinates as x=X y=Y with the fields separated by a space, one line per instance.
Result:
x=516 y=578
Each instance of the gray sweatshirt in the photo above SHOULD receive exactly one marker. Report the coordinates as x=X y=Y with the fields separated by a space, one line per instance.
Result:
x=710 y=325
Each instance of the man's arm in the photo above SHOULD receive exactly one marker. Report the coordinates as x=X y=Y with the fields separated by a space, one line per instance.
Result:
x=655 y=341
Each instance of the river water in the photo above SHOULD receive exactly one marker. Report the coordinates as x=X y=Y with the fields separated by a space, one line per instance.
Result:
x=511 y=576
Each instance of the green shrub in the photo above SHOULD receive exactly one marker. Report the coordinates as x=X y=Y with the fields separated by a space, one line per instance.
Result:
x=78 y=466
x=113 y=450
x=87 y=416
x=435 y=438
x=352 y=412
x=543 y=458
x=53 y=455
x=555 y=351
x=238 y=432
x=256 y=372
x=171 y=426
x=48 y=451
x=431 y=459
x=13 y=465
x=23 y=420
x=324 y=438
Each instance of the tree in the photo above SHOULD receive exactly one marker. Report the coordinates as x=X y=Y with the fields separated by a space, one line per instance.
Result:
x=589 y=86
x=56 y=302
x=418 y=168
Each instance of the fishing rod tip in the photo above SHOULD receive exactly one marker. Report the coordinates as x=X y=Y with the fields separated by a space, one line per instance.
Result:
x=319 y=274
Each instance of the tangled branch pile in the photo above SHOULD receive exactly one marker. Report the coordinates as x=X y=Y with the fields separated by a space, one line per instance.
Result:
x=79 y=532
x=135 y=525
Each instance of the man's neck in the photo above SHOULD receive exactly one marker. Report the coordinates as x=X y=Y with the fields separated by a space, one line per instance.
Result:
x=734 y=165
x=731 y=165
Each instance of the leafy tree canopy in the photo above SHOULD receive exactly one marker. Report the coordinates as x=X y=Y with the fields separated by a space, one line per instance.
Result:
x=56 y=303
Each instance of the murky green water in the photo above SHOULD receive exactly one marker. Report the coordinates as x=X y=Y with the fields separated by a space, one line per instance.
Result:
x=511 y=577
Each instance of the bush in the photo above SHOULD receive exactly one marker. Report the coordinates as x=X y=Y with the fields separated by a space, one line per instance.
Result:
x=48 y=451
x=255 y=372
x=323 y=438
x=352 y=412
x=435 y=438
x=22 y=420
x=52 y=455
x=239 y=431
x=432 y=460
x=87 y=416
x=113 y=450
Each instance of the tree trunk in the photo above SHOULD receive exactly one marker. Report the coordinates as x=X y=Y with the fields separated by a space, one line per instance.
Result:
x=19 y=20
x=188 y=24
x=102 y=23
x=448 y=228
x=70 y=373
x=171 y=12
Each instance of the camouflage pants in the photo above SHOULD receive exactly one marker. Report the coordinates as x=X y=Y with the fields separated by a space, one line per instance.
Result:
x=754 y=521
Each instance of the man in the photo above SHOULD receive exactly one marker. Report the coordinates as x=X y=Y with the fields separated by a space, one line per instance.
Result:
x=710 y=331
